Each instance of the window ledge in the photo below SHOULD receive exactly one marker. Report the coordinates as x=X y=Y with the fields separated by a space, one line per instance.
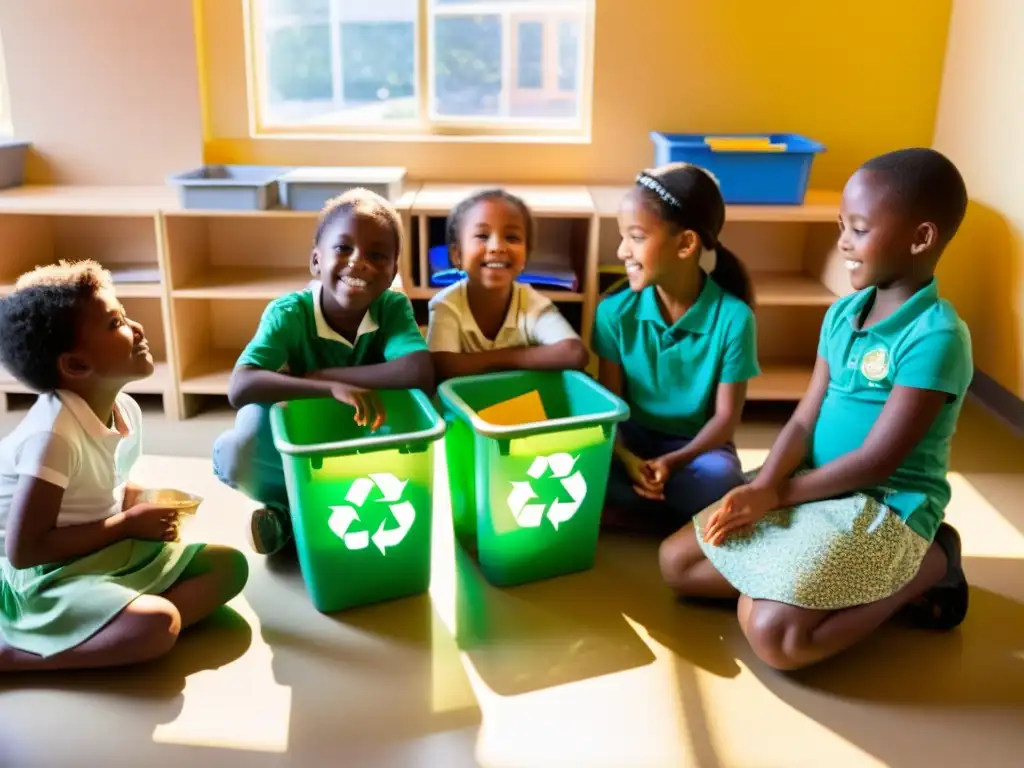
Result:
x=424 y=138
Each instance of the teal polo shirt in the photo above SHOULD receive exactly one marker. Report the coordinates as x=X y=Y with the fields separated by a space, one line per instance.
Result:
x=294 y=337
x=923 y=344
x=671 y=372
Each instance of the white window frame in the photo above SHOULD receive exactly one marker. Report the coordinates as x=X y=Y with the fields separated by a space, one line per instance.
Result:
x=429 y=125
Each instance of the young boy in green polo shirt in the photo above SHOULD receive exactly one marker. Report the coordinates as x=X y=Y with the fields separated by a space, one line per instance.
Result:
x=843 y=525
x=344 y=336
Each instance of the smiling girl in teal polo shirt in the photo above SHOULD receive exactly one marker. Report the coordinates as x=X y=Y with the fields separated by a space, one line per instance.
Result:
x=679 y=346
x=842 y=527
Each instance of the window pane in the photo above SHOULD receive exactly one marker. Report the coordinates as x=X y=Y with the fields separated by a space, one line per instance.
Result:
x=341 y=62
x=507 y=59
x=531 y=55
x=568 y=54
x=467 y=66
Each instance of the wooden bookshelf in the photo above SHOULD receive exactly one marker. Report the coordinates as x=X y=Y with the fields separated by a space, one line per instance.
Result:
x=119 y=227
x=213 y=272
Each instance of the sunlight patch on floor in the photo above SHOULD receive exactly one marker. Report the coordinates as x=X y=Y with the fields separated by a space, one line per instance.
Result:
x=745 y=720
x=238 y=706
x=985 y=531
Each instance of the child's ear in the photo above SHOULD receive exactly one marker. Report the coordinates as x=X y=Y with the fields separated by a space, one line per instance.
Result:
x=689 y=244
x=453 y=256
x=314 y=262
x=73 y=366
x=925 y=236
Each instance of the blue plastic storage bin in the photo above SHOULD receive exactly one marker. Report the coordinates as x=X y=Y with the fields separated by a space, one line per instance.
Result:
x=746 y=177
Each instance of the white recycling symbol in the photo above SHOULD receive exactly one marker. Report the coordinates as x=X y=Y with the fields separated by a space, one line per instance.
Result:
x=530 y=514
x=344 y=515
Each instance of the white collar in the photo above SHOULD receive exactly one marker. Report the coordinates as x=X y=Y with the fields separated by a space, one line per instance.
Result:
x=87 y=417
x=324 y=331
x=515 y=308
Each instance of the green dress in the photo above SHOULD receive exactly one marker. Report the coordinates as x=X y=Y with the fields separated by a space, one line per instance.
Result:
x=50 y=608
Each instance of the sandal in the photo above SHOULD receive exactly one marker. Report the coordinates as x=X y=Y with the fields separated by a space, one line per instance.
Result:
x=944 y=606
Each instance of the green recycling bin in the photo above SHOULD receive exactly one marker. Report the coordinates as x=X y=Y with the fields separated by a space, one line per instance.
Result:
x=360 y=501
x=528 y=498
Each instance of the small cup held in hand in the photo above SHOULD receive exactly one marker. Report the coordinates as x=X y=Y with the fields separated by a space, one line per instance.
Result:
x=185 y=503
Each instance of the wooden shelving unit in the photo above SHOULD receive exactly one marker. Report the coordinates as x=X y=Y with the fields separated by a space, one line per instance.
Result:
x=119 y=228
x=215 y=271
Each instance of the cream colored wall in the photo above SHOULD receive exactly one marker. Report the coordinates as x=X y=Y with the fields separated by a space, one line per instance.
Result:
x=980 y=125
x=862 y=76
x=106 y=89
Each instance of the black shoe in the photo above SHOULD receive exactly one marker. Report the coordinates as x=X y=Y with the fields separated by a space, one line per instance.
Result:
x=269 y=530
x=944 y=606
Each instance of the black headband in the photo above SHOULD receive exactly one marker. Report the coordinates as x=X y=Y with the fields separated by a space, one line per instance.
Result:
x=647 y=181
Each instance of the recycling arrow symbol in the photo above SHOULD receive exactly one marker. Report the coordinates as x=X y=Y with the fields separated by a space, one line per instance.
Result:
x=344 y=515
x=530 y=514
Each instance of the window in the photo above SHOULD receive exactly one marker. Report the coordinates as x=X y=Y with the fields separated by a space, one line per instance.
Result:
x=461 y=67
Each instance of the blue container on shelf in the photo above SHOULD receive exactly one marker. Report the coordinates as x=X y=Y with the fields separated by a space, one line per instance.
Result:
x=752 y=169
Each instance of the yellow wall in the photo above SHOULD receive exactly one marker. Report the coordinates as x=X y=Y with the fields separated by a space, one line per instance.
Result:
x=980 y=123
x=106 y=89
x=862 y=76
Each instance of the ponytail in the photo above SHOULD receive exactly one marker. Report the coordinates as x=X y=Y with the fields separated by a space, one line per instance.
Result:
x=731 y=276
x=689 y=198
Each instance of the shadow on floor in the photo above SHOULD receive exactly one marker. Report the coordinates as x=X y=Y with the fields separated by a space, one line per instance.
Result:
x=543 y=634
x=376 y=676
x=135 y=699
x=964 y=688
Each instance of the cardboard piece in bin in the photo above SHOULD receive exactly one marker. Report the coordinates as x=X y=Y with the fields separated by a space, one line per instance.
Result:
x=523 y=409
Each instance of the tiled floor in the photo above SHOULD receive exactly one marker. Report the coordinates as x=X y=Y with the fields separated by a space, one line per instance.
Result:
x=597 y=669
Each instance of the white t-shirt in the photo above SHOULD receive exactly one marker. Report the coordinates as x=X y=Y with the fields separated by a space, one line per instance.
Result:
x=61 y=441
x=532 y=320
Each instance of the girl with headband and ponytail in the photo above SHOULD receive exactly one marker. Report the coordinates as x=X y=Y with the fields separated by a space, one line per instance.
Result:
x=679 y=346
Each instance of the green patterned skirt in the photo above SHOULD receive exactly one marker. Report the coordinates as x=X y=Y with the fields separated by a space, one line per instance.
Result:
x=50 y=608
x=824 y=555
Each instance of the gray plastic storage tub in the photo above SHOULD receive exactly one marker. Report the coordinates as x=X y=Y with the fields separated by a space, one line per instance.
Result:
x=229 y=187
x=308 y=189
x=12 y=162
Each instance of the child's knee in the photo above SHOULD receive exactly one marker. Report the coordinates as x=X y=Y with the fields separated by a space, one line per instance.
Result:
x=710 y=477
x=774 y=635
x=677 y=555
x=229 y=568
x=153 y=624
x=234 y=451
x=719 y=468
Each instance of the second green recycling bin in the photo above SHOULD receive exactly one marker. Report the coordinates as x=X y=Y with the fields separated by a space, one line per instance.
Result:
x=528 y=497
x=360 y=501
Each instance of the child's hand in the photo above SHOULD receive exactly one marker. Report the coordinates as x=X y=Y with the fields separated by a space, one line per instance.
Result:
x=657 y=472
x=151 y=522
x=369 y=408
x=741 y=507
x=643 y=481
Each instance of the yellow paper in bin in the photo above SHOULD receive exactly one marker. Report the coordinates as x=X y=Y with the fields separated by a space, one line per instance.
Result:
x=523 y=409
x=743 y=144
